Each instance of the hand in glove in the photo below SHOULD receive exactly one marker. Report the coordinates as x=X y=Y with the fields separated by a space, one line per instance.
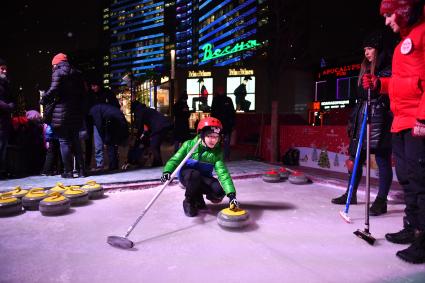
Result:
x=419 y=129
x=370 y=81
x=233 y=202
x=165 y=177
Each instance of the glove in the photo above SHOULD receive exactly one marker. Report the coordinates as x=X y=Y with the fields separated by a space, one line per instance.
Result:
x=233 y=202
x=419 y=129
x=165 y=177
x=370 y=81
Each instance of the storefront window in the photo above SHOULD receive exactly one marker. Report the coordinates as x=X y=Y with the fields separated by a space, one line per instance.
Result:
x=200 y=94
x=242 y=91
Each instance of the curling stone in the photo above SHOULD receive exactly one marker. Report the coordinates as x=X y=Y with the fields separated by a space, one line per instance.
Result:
x=32 y=199
x=9 y=205
x=18 y=192
x=284 y=174
x=233 y=218
x=76 y=195
x=271 y=176
x=94 y=189
x=60 y=188
x=54 y=204
x=298 y=178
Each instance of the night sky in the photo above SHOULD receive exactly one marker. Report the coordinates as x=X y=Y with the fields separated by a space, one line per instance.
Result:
x=33 y=31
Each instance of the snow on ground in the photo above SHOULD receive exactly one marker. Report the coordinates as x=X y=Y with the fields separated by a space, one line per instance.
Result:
x=296 y=235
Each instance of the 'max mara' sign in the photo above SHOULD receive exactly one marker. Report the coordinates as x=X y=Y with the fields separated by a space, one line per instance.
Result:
x=210 y=53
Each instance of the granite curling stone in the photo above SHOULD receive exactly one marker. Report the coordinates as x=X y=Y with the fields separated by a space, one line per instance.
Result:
x=94 y=189
x=271 y=176
x=233 y=218
x=18 y=192
x=76 y=195
x=9 y=205
x=298 y=178
x=54 y=204
x=32 y=199
x=60 y=188
x=284 y=173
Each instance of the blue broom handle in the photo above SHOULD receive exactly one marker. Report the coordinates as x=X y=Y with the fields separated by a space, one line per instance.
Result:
x=356 y=161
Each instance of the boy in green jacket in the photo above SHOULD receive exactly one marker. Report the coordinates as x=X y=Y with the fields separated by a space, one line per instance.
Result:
x=196 y=174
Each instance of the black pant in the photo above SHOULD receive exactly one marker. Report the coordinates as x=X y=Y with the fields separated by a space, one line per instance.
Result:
x=53 y=161
x=198 y=185
x=383 y=160
x=409 y=153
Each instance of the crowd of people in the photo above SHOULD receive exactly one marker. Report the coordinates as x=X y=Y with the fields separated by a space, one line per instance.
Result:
x=81 y=119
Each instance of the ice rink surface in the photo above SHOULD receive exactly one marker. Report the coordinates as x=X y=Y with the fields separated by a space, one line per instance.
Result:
x=296 y=235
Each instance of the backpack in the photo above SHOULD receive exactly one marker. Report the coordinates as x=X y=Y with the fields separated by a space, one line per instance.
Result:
x=291 y=157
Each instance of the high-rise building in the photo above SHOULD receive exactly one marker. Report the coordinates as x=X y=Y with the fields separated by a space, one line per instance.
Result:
x=137 y=36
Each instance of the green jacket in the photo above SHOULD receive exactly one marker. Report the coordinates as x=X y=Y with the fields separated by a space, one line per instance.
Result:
x=204 y=160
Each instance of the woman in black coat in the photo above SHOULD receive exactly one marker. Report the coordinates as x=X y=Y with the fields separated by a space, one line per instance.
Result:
x=65 y=98
x=377 y=62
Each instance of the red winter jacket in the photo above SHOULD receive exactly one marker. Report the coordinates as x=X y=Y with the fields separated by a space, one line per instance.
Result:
x=407 y=83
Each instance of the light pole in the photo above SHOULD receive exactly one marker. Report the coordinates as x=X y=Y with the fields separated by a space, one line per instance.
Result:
x=172 y=77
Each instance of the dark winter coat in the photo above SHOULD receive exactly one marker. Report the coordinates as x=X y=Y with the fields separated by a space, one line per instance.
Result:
x=222 y=108
x=6 y=107
x=110 y=123
x=381 y=119
x=67 y=92
x=103 y=96
x=155 y=121
x=181 y=120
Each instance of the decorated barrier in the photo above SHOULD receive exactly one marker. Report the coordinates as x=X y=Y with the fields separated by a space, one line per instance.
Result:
x=323 y=147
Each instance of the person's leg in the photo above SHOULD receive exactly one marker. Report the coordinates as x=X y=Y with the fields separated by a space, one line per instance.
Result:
x=98 y=148
x=414 y=150
x=212 y=189
x=113 y=157
x=383 y=160
x=65 y=149
x=406 y=235
x=359 y=173
x=156 y=141
x=3 y=151
x=88 y=148
x=78 y=153
x=191 y=180
x=49 y=161
x=226 y=145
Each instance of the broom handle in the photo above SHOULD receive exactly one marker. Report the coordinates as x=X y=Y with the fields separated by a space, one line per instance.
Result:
x=189 y=154
x=367 y=162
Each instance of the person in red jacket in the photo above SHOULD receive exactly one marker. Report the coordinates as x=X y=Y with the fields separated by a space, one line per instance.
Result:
x=406 y=89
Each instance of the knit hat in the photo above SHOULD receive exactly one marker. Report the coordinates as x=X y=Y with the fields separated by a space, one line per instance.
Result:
x=2 y=62
x=59 y=58
x=373 y=40
x=401 y=8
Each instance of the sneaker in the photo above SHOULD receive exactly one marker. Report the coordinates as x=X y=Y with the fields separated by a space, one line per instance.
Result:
x=82 y=173
x=415 y=253
x=378 y=207
x=405 y=236
x=343 y=199
x=189 y=209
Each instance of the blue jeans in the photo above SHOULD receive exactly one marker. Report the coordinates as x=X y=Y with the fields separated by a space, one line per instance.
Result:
x=70 y=143
x=98 y=147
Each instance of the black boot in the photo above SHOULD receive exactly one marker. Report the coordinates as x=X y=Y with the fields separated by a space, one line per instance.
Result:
x=405 y=236
x=189 y=208
x=67 y=175
x=200 y=203
x=415 y=253
x=343 y=199
x=378 y=207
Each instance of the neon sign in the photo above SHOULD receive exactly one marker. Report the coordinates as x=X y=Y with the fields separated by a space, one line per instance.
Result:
x=209 y=53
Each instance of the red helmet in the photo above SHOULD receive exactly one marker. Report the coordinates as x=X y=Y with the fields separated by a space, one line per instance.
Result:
x=209 y=122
